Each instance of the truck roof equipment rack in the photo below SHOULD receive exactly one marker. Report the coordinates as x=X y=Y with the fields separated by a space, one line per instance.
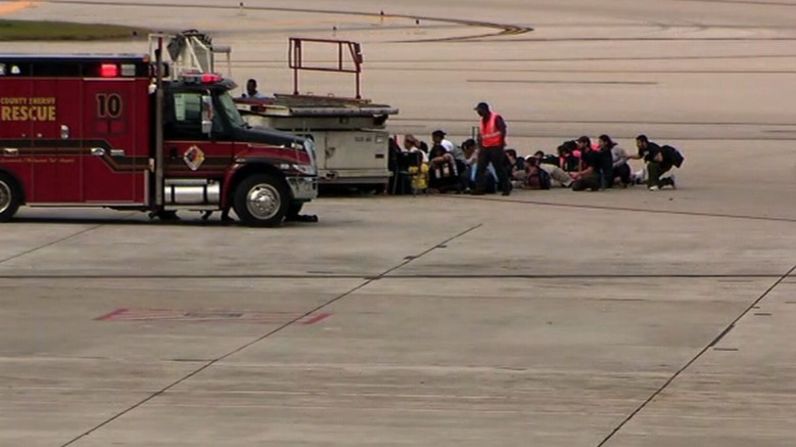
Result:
x=297 y=63
x=192 y=51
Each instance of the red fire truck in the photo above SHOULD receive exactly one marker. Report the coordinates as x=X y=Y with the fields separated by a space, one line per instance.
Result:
x=110 y=131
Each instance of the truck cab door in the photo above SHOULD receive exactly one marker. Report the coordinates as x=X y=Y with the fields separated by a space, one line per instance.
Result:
x=195 y=146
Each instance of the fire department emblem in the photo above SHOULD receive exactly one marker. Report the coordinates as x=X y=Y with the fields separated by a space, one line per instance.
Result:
x=194 y=157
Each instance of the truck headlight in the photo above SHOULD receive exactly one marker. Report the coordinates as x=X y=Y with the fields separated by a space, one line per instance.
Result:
x=309 y=146
x=304 y=169
x=300 y=168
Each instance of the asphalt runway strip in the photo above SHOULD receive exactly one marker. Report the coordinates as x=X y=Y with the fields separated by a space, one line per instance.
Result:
x=699 y=355
x=500 y=29
x=298 y=319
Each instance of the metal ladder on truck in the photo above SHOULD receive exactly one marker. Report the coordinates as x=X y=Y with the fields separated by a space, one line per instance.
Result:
x=191 y=51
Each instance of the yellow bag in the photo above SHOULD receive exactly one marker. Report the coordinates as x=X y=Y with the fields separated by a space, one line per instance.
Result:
x=419 y=177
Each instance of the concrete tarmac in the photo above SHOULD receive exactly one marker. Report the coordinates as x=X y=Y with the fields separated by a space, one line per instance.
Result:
x=618 y=318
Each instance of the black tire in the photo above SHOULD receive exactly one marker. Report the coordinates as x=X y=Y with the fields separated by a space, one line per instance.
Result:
x=168 y=216
x=10 y=197
x=294 y=209
x=261 y=200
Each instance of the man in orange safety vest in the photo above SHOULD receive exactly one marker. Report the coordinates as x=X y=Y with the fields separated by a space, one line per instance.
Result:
x=492 y=146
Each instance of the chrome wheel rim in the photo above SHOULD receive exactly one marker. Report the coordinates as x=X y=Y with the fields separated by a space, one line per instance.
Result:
x=5 y=196
x=263 y=201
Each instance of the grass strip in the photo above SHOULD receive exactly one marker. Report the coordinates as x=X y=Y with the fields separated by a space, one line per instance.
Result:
x=20 y=30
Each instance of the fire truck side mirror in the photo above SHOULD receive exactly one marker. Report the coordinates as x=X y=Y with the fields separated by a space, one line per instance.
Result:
x=207 y=114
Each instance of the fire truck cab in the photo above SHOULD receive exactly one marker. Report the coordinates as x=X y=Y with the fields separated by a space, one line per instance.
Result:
x=110 y=131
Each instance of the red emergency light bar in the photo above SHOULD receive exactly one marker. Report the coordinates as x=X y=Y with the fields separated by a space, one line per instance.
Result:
x=196 y=77
x=211 y=78
x=109 y=71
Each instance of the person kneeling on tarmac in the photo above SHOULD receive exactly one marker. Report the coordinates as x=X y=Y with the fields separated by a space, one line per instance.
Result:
x=660 y=160
x=470 y=177
x=515 y=166
x=443 y=171
x=550 y=164
x=589 y=175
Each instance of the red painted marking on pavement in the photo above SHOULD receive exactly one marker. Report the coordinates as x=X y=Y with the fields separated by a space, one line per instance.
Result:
x=317 y=318
x=111 y=315
x=208 y=316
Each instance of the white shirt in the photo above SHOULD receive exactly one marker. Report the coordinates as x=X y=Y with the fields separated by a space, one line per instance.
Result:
x=257 y=95
x=416 y=149
x=619 y=155
x=452 y=149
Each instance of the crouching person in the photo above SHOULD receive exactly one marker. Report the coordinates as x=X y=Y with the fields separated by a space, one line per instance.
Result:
x=535 y=176
x=660 y=160
x=620 y=169
x=516 y=167
x=549 y=164
x=443 y=171
x=589 y=176
x=470 y=149
x=490 y=178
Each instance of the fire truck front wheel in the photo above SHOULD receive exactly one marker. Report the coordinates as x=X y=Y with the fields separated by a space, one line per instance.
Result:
x=261 y=200
x=10 y=197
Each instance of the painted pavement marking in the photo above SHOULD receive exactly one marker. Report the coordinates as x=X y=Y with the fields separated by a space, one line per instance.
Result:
x=211 y=316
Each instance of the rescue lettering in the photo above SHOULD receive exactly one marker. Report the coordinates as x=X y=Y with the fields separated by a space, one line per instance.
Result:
x=27 y=109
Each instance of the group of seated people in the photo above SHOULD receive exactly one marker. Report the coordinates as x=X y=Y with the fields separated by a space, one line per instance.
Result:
x=444 y=167
x=578 y=164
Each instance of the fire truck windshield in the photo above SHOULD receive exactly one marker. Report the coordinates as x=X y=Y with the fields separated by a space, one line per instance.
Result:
x=230 y=110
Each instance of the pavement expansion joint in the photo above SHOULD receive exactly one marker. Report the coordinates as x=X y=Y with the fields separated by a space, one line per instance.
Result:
x=734 y=277
x=627 y=209
x=699 y=355
x=58 y=241
x=205 y=365
x=51 y=243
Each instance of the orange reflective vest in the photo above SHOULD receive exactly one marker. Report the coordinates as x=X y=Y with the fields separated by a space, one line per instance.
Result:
x=490 y=134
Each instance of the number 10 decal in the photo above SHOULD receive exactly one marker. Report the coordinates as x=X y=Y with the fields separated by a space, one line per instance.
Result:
x=109 y=105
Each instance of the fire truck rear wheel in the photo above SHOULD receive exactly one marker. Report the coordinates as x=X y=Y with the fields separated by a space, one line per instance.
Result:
x=10 y=197
x=261 y=200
